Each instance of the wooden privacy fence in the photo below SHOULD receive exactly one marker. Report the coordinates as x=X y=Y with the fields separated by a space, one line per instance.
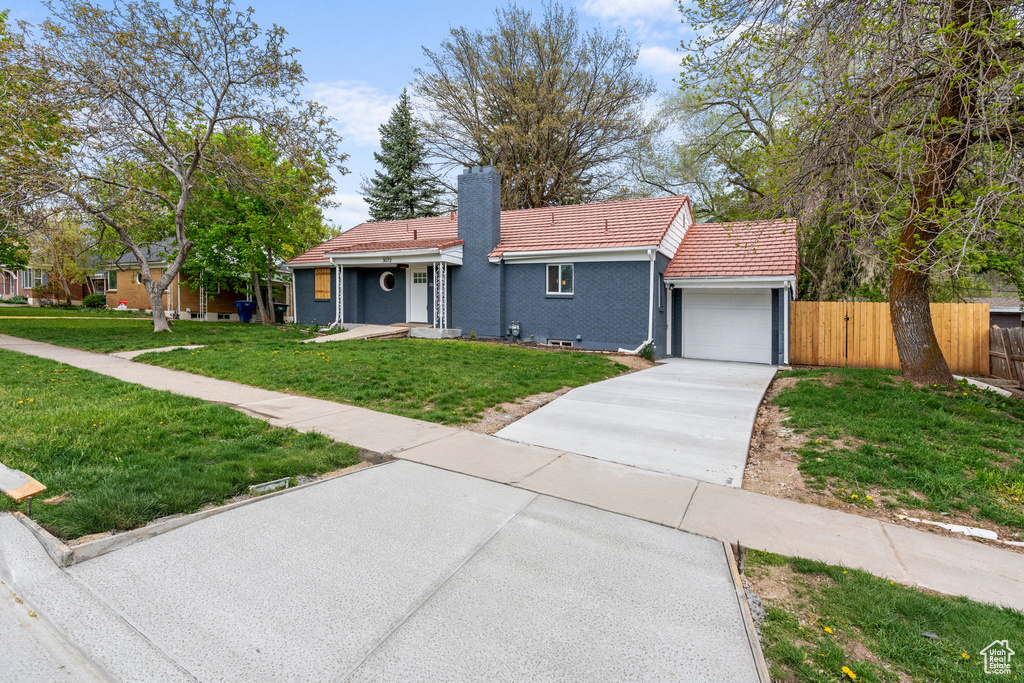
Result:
x=1007 y=353
x=859 y=334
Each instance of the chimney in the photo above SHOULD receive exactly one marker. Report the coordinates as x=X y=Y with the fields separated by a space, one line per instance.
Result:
x=479 y=208
x=476 y=285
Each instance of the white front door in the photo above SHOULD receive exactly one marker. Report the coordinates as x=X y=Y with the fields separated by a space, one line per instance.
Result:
x=726 y=324
x=418 y=296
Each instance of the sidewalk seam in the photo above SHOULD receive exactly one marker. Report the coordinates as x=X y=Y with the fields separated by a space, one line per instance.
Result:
x=412 y=612
x=120 y=615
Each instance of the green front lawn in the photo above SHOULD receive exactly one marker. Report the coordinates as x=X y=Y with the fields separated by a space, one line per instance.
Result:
x=820 y=619
x=450 y=382
x=441 y=381
x=63 y=312
x=105 y=335
x=118 y=455
x=874 y=439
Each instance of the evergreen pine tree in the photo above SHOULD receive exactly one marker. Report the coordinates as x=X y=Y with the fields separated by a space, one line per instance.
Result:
x=404 y=188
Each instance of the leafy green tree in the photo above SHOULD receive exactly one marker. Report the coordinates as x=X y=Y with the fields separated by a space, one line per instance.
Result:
x=33 y=134
x=404 y=188
x=154 y=83
x=268 y=210
x=906 y=129
x=557 y=110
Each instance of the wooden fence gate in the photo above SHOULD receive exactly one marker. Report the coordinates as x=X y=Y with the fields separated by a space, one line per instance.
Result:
x=1007 y=353
x=859 y=334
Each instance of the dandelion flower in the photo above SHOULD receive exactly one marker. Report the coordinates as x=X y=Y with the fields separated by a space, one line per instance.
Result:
x=965 y=655
x=828 y=630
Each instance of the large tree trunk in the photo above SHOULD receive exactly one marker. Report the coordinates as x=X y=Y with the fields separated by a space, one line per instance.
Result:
x=259 y=297
x=921 y=359
x=156 y=302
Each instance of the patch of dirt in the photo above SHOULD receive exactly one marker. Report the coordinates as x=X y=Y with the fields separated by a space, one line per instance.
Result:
x=504 y=414
x=56 y=500
x=786 y=589
x=773 y=470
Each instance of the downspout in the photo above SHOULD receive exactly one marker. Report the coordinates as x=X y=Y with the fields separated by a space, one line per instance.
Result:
x=295 y=300
x=785 y=323
x=650 y=313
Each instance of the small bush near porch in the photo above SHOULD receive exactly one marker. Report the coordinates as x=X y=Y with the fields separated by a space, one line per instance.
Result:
x=450 y=382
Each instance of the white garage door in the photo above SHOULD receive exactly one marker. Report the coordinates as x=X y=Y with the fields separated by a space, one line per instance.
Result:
x=728 y=324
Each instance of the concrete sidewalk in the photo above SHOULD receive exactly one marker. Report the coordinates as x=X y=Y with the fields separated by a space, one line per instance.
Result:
x=947 y=565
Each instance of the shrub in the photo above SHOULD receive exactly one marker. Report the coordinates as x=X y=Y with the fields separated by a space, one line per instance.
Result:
x=94 y=301
x=15 y=299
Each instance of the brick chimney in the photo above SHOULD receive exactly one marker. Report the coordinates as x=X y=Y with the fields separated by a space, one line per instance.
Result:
x=477 y=302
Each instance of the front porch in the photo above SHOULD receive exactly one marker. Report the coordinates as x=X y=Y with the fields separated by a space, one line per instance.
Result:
x=405 y=287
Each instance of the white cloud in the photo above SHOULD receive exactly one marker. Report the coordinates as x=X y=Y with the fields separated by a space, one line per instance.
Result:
x=631 y=9
x=352 y=212
x=660 y=60
x=358 y=107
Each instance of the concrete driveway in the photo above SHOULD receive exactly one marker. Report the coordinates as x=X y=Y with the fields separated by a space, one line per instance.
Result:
x=407 y=572
x=691 y=418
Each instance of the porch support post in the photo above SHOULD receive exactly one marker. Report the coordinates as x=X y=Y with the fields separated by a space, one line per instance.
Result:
x=440 y=295
x=340 y=291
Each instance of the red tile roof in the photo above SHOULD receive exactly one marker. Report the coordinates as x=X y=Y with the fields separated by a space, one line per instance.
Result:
x=737 y=249
x=629 y=223
x=386 y=235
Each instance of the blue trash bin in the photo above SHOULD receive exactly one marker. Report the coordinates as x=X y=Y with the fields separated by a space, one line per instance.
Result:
x=245 y=309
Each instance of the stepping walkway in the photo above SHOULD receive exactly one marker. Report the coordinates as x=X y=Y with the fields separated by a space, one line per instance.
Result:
x=361 y=332
x=947 y=565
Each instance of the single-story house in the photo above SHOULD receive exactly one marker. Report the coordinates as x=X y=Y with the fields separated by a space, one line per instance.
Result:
x=1003 y=311
x=601 y=276
x=181 y=299
x=22 y=282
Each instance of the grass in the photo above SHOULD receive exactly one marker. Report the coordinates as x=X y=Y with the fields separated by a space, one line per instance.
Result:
x=67 y=312
x=109 y=335
x=449 y=382
x=123 y=455
x=875 y=627
x=875 y=439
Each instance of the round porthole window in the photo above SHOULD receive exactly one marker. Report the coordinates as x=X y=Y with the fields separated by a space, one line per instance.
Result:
x=387 y=281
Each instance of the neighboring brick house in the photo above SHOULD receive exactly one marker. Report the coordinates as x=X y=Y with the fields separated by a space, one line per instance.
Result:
x=180 y=299
x=595 y=276
x=22 y=282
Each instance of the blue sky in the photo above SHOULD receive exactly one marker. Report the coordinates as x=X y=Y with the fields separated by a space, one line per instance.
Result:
x=359 y=55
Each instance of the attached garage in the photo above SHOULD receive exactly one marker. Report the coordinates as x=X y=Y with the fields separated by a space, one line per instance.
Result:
x=727 y=324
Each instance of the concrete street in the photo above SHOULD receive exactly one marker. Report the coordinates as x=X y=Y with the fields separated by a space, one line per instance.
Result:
x=691 y=418
x=407 y=572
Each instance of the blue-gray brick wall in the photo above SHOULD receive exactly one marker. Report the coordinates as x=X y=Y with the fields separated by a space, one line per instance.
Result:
x=677 y=323
x=376 y=306
x=310 y=310
x=476 y=285
x=660 y=307
x=608 y=308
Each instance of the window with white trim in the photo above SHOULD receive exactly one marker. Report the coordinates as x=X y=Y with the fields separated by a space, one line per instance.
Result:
x=559 y=342
x=419 y=277
x=560 y=278
x=387 y=281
